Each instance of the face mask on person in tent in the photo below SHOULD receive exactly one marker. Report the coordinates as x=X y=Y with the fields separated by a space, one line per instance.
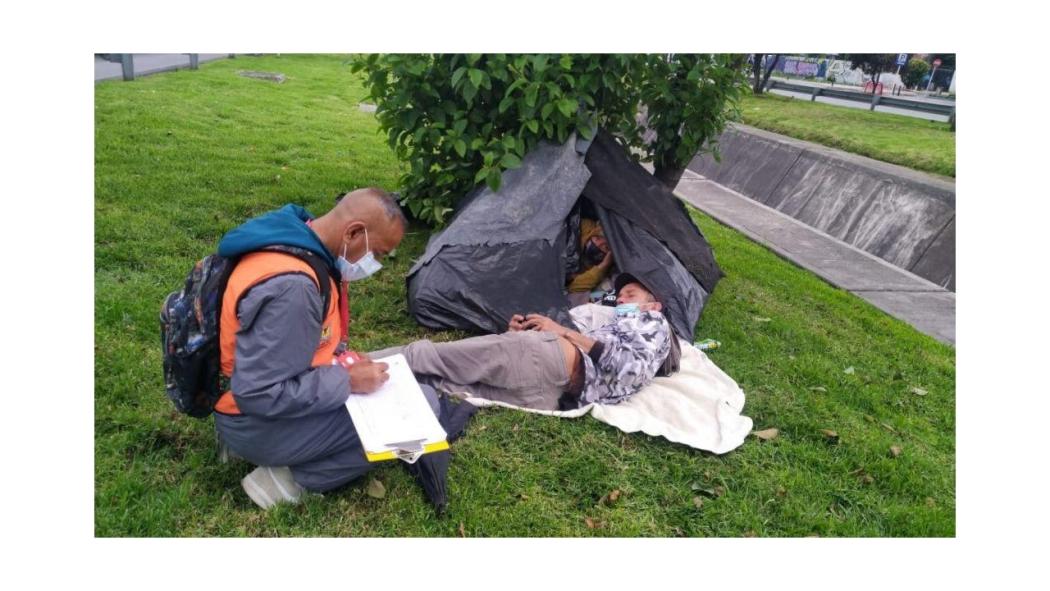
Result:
x=592 y=254
x=363 y=268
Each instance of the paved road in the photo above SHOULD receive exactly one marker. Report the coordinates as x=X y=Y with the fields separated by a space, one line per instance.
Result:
x=150 y=63
x=857 y=105
x=925 y=305
x=907 y=94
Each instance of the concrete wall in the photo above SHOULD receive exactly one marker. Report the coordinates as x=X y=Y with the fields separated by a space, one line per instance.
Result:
x=900 y=215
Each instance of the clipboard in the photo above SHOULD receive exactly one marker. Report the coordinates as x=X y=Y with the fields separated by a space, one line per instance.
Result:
x=395 y=422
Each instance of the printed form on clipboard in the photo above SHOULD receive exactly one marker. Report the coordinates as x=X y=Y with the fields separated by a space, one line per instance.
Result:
x=395 y=421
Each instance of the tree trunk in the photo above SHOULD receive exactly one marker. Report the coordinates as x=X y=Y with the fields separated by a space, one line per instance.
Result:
x=667 y=175
x=769 y=69
x=756 y=72
x=760 y=87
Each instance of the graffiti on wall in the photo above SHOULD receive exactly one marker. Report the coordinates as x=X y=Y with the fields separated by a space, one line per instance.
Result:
x=799 y=67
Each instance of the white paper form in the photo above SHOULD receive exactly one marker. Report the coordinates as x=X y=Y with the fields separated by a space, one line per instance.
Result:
x=397 y=415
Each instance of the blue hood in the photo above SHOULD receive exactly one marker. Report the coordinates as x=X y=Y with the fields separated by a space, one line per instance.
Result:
x=285 y=226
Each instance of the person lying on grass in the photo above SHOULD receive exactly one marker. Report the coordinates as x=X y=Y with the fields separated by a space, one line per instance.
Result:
x=606 y=358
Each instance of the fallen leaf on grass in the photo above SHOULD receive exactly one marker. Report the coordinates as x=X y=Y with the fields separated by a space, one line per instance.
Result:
x=818 y=388
x=868 y=479
x=895 y=450
x=781 y=492
x=523 y=496
x=930 y=502
x=761 y=319
x=849 y=370
x=610 y=498
x=462 y=530
x=830 y=436
x=375 y=489
x=719 y=491
x=750 y=534
x=592 y=523
x=888 y=427
x=918 y=391
x=711 y=493
x=766 y=434
x=698 y=502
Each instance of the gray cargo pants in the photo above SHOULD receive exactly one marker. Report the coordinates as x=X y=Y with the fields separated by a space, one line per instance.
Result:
x=525 y=368
x=322 y=450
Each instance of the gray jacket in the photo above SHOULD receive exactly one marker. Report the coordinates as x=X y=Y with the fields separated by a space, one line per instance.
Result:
x=280 y=329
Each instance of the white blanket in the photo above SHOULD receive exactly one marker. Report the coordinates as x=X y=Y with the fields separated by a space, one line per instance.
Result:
x=699 y=406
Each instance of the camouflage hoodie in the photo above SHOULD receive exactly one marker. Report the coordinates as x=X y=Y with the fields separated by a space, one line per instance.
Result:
x=628 y=353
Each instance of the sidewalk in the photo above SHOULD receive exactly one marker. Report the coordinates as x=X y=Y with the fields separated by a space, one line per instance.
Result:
x=903 y=295
x=151 y=63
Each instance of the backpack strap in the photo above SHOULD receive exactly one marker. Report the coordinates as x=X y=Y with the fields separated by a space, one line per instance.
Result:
x=322 y=272
x=324 y=278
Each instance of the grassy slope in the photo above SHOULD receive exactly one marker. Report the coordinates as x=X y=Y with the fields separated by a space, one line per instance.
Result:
x=183 y=157
x=908 y=141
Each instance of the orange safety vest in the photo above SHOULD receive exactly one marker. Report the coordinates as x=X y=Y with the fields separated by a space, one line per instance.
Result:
x=253 y=269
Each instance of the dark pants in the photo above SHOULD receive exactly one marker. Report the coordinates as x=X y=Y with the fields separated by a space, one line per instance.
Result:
x=323 y=450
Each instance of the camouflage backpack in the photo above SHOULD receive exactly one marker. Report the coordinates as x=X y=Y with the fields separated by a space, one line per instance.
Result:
x=189 y=330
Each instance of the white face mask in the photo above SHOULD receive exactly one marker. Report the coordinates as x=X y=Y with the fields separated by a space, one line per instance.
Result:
x=363 y=268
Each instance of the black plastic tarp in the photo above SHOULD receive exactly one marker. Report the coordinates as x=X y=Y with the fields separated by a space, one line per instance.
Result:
x=506 y=253
x=624 y=186
x=503 y=253
x=639 y=253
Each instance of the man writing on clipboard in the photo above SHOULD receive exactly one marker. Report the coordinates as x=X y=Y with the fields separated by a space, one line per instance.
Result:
x=290 y=374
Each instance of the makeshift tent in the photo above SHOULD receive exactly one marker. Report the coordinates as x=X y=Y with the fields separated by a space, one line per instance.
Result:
x=509 y=252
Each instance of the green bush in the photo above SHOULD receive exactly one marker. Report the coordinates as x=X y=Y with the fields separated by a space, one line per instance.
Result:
x=688 y=99
x=460 y=120
x=914 y=72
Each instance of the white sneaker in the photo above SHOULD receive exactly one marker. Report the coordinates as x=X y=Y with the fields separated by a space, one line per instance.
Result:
x=268 y=485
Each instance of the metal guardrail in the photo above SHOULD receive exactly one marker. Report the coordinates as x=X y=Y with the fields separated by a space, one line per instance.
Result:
x=127 y=64
x=862 y=97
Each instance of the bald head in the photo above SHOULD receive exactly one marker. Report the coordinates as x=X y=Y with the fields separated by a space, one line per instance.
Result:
x=362 y=220
x=370 y=202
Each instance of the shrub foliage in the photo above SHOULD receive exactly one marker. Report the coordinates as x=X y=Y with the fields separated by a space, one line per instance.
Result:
x=461 y=120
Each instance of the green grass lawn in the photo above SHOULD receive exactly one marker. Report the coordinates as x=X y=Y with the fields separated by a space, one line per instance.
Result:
x=183 y=157
x=908 y=141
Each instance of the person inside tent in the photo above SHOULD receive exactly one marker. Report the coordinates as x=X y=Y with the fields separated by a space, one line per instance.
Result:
x=606 y=357
x=596 y=258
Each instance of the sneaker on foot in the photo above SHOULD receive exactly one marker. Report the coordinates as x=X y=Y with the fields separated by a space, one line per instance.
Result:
x=268 y=485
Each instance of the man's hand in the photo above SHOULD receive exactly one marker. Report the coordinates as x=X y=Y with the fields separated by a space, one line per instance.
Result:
x=366 y=376
x=516 y=323
x=541 y=322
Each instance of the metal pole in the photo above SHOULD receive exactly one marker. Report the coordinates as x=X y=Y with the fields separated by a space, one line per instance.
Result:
x=931 y=79
x=127 y=66
x=194 y=60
